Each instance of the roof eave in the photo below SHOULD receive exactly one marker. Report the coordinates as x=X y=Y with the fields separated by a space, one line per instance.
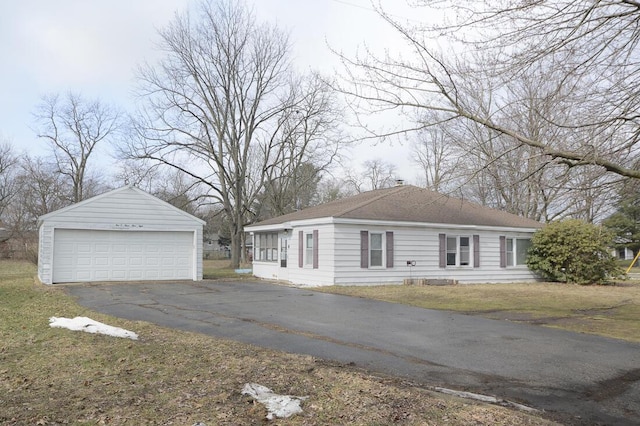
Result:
x=373 y=222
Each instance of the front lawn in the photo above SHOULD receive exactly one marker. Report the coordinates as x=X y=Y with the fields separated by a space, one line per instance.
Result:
x=221 y=269
x=54 y=376
x=612 y=311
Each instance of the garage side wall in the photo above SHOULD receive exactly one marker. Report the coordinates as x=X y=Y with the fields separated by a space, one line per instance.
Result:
x=45 y=254
x=198 y=251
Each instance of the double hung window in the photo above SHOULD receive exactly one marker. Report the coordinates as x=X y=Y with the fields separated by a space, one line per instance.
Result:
x=308 y=258
x=458 y=251
x=376 y=252
x=376 y=249
x=516 y=251
x=266 y=246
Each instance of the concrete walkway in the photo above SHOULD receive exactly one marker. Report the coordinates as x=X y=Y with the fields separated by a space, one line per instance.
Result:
x=581 y=378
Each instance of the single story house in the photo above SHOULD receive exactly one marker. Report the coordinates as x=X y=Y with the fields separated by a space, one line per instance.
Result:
x=4 y=246
x=122 y=235
x=388 y=235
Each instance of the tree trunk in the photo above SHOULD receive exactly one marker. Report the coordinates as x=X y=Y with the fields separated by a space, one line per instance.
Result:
x=236 y=247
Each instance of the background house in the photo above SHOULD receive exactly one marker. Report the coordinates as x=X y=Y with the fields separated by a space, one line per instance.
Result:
x=4 y=246
x=122 y=235
x=387 y=235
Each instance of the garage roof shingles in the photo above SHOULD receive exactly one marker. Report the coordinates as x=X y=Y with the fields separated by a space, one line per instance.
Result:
x=408 y=203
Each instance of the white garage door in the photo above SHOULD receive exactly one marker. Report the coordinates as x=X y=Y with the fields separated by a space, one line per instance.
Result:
x=86 y=255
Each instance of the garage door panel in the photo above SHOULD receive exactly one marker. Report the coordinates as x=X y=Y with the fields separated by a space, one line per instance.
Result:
x=100 y=261
x=136 y=275
x=182 y=274
x=91 y=255
x=118 y=261
x=101 y=248
x=119 y=248
x=84 y=261
x=101 y=275
x=152 y=275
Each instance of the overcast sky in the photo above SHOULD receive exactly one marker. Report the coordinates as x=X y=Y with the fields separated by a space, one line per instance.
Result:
x=93 y=47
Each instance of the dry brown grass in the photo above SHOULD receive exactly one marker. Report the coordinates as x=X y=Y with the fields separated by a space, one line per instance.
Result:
x=221 y=268
x=612 y=311
x=56 y=376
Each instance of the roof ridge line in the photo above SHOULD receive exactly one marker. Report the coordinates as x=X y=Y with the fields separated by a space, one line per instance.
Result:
x=364 y=203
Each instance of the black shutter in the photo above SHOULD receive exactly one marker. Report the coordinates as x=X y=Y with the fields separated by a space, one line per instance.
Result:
x=443 y=250
x=503 y=251
x=300 y=249
x=315 y=249
x=476 y=251
x=389 y=249
x=364 y=249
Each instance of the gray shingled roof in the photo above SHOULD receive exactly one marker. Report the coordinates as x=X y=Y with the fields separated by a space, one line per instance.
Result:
x=408 y=204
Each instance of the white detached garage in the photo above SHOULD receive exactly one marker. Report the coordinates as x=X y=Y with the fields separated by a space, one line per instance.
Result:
x=122 y=235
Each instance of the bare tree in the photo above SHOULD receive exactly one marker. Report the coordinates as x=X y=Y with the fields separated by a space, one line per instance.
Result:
x=138 y=173
x=376 y=174
x=586 y=50
x=215 y=105
x=42 y=190
x=179 y=190
x=307 y=140
x=331 y=189
x=439 y=158
x=74 y=126
x=8 y=184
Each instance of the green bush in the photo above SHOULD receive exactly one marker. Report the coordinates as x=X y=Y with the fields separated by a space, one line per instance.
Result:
x=573 y=251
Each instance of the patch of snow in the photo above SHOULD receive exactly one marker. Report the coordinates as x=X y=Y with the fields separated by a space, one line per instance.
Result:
x=90 y=326
x=277 y=405
x=485 y=398
x=468 y=395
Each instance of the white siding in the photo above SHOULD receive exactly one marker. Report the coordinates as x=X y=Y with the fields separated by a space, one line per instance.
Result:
x=421 y=244
x=124 y=209
x=306 y=275
x=339 y=256
x=271 y=269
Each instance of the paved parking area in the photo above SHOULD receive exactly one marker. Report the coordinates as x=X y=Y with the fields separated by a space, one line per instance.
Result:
x=588 y=379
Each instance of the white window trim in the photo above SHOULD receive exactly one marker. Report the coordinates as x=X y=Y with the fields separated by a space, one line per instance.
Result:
x=470 y=252
x=383 y=242
x=308 y=251
x=514 y=252
x=258 y=248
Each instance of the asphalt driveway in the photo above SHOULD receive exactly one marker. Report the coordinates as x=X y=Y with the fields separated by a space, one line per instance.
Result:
x=584 y=379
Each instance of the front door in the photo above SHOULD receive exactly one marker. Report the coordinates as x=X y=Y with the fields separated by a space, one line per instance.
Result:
x=284 y=242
